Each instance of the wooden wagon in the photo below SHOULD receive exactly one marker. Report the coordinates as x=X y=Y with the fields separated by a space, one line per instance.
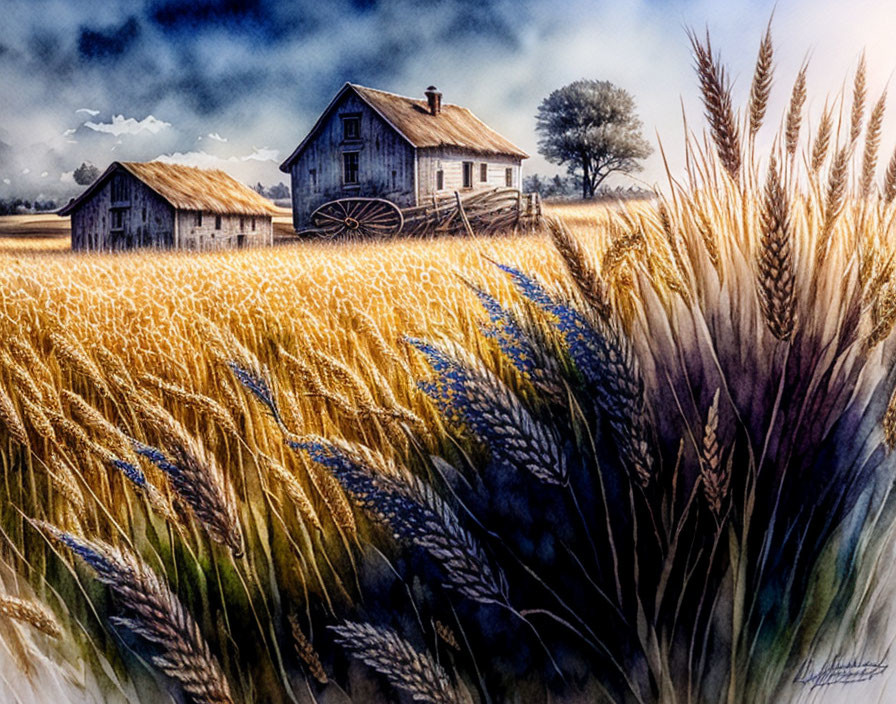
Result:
x=476 y=213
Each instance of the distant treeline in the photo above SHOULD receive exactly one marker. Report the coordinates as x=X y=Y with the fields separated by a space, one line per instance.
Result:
x=278 y=192
x=18 y=206
x=568 y=187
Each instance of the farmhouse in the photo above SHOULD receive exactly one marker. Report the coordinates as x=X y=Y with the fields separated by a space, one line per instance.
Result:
x=155 y=204
x=370 y=143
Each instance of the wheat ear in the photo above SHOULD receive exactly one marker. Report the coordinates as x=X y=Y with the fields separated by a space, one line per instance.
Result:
x=153 y=612
x=775 y=258
x=406 y=668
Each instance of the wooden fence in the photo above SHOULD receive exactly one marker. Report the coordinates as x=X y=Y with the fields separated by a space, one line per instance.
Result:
x=477 y=213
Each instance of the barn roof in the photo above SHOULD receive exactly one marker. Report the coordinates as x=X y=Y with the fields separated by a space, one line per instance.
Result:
x=454 y=126
x=186 y=188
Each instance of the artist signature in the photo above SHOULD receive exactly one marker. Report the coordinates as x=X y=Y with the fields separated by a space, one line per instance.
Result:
x=838 y=671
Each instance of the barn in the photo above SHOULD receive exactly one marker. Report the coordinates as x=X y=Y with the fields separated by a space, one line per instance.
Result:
x=370 y=143
x=154 y=204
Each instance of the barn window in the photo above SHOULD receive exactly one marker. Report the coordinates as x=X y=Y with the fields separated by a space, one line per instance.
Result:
x=440 y=180
x=351 y=127
x=312 y=177
x=253 y=223
x=349 y=168
x=117 y=219
x=198 y=218
x=508 y=177
x=483 y=172
x=144 y=213
x=394 y=179
x=468 y=174
x=242 y=223
x=218 y=222
x=121 y=192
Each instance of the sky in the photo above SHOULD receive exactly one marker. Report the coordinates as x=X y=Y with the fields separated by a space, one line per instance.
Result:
x=236 y=85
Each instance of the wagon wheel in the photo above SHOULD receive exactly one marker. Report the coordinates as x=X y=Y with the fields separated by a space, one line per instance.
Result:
x=358 y=217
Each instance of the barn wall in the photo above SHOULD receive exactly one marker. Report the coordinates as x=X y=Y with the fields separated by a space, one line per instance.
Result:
x=192 y=235
x=382 y=151
x=429 y=161
x=148 y=220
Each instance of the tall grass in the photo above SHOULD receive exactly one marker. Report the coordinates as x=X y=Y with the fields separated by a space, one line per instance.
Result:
x=641 y=456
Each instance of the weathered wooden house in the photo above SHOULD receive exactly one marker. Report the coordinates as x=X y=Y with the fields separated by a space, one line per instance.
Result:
x=370 y=143
x=155 y=204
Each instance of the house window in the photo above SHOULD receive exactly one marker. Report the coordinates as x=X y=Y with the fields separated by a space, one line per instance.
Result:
x=144 y=213
x=121 y=192
x=198 y=218
x=483 y=172
x=253 y=223
x=508 y=177
x=217 y=223
x=440 y=180
x=242 y=223
x=468 y=174
x=349 y=168
x=312 y=178
x=394 y=179
x=351 y=127
x=117 y=219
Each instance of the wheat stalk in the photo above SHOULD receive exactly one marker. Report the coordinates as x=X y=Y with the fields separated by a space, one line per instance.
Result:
x=775 y=258
x=834 y=198
x=153 y=612
x=293 y=489
x=306 y=651
x=858 y=102
x=762 y=82
x=716 y=93
x=822 y=139
x=794 y=119
x=31 y=613
x=10 y=419
x=580 y=268
x=406 y=668
x=872 y=145
x=714 y=475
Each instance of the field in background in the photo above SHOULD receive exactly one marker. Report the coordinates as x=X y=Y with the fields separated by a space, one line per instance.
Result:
x=48 y=232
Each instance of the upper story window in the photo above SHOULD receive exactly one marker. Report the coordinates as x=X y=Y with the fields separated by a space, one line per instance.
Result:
x=508 y=177
x=351 y=127
x=483 y=172
x=468 y=174
x=440 y=180
x=217 y=222
x=350 y=168
x=117 y=219
x=198 y=218
x=121 y=189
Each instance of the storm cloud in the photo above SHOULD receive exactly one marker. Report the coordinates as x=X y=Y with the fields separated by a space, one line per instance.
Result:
x=259 y=73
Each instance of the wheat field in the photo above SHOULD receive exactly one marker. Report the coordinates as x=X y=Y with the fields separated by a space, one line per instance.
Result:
x=643 y=454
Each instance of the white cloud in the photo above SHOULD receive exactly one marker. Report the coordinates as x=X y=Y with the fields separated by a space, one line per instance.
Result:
x=92 y=113
x=128 y=125
x=69 y=132
x=26 y=171
x=215 y=136
x=44 y=174
x=7 y=181
x=204 y=160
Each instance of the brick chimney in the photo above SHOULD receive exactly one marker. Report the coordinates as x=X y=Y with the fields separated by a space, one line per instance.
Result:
x=434 y=98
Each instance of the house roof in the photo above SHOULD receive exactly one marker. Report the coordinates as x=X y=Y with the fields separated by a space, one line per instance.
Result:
x=186 y=188
x=454 y=126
